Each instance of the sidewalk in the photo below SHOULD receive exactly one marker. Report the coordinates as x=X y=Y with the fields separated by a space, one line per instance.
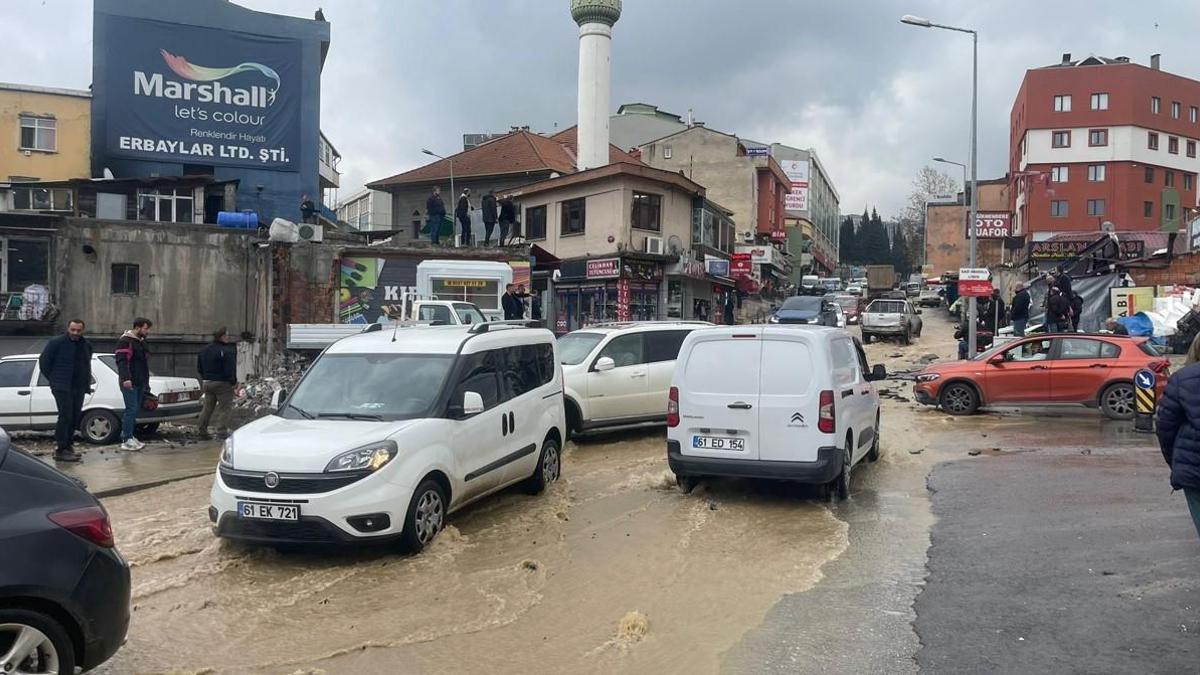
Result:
x=109 y=471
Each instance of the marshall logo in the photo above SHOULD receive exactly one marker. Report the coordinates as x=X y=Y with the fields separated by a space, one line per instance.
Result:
x=213 y=92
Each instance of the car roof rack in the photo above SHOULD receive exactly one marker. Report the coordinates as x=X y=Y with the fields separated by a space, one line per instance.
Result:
x=480 y=328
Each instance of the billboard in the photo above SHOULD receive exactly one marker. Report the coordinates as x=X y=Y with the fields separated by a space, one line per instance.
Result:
x=195 y=95
x=989 y=224
x=797 y=172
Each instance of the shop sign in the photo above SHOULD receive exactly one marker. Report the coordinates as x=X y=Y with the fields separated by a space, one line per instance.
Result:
x=779 y=235
x=757 y=152
x=978 y=289
x=718 y=267
x=604 y=268
x=759 y=255
x=623 y=313
x=1131 y=300
x=688 y=265
x=740 y=267
x=1061 y=250
x=640 y=270
x=990 y=225
x=797 y=172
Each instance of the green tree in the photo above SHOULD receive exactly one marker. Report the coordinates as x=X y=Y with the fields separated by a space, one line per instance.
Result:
x=874 y=245
x=900 y=254
x=848 y=242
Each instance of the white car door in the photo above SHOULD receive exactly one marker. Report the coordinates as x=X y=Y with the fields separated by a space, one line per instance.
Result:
x=789 y=405
x=15 y=391
x=480 y=442
x=528 y=370
x=662 y=349
x=718 y=383
x=851 y=405
x=621 y=391
x=868 y=392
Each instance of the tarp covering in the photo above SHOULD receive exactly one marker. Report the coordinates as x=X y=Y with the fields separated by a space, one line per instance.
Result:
x=1095 y=293
x=1138 y=325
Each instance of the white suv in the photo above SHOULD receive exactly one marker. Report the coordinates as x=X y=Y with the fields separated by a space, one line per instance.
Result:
x=617 y=374
x=389 y=431
x=792 y=402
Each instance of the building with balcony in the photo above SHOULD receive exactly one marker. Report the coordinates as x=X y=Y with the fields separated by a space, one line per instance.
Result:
x=46 y=132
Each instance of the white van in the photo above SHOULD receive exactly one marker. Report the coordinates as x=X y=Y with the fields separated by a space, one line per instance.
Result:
x=390 y=431
x=792 y=402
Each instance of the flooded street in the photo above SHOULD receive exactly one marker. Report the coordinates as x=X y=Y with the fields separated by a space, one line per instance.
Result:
x=611 y=570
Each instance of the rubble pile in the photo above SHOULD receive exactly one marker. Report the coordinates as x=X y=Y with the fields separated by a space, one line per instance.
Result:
x=253 y=398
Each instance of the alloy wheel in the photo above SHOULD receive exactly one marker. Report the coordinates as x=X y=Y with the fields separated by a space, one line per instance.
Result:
x=959 y=399
x=29 y=650
x=98 y=428
x=1119 y=400
x=428 y=516
x=550 y=465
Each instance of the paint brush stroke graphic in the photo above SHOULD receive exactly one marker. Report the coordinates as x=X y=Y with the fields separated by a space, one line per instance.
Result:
x=181 y=67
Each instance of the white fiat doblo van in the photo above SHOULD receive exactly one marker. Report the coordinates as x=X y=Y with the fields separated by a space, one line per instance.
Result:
x=790 y=402
x=390 y=431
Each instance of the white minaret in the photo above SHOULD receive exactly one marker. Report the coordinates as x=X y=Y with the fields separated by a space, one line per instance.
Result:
x=596 y=19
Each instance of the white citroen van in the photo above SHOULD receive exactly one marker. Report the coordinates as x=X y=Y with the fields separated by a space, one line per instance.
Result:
x=791 y=402
x=392 y=430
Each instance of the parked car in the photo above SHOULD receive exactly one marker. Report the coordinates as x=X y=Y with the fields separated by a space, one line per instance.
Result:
x=930 y=297
x=849 y=306
x=807 y=309
x=891 y=318
x=389 y=432
x=27 y=403
x=64 y=588
x=912 y=289
x=1094 y=370
x=855 y=289
x=786 y=402
x=618 y=374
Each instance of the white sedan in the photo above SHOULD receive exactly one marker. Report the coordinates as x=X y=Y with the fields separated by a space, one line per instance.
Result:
x=27 y=404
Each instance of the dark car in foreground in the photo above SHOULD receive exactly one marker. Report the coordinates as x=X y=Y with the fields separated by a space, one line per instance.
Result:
x=810 y=309
x=64 y=588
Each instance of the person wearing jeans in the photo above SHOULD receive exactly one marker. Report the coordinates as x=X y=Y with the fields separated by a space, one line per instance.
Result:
x=66 y=363
x=217 y=365
x=1178 y=430
x=133 y=368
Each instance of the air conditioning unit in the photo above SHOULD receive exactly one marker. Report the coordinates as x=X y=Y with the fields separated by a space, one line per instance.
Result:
x=312 y=233
x=654 y=245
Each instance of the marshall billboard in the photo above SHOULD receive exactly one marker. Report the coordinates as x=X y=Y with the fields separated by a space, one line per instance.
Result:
x=196 y=95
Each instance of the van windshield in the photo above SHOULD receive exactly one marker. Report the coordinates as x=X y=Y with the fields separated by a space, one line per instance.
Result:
x=382 y=387
x=573 y=348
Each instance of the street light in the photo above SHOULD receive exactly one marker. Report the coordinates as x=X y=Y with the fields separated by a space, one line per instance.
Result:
x=926 y=23
x=434 y=154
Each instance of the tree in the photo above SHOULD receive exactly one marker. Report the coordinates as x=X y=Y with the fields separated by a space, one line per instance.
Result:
x=874 y=246
x=900 y=255
x=928 y=183
x=848 y=242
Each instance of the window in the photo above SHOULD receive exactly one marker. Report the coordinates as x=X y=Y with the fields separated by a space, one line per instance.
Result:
x=1099 y=101
x=437 y=315
x=39 y=133
x=1078 y=348
x=1058 y=208
x=574 y=215
x=16 y=373
x=125 y=279
x=1155 y=104
x=845 y=363
x=527 y=367
x=664 y=345
x=1096 y=172
x=1191 y=148
x=625 y=350
x=480 y=376
x=1169 y=178
x=1168 y=212
x=27 y=263
x=1037 y=350
x=1061 y=139
x=647 y=211
x=1058 y=174
x=42 y=199
x=1149 y=174
x=1062 y=103
x=1148 y=209
x=1095 y=207
x=535 y=222
x=1175 y=109
x=1098 y=137
x=666 y=152
x=1194 y=114
x=1152 y=140
x=1188 y=180
x=1173 y=145
x=1109 y=351
x=165 y=205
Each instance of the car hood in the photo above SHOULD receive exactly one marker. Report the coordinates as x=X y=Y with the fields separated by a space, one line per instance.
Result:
x=164 y=385
x=944 y=368
x=304 y=446
x=797 y=314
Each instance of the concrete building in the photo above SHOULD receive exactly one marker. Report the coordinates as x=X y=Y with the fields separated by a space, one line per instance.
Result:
x=636 y=124
x=367 y=211
x=47 y=132
x=946 y=245
x=813 y=211
x=1100 y=140
x=596 y=19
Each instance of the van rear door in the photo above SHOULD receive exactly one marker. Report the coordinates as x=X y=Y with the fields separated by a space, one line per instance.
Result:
x=718 y=394
x=789 y=402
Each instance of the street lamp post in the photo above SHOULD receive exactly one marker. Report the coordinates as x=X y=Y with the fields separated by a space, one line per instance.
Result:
x=452 y=197
x=926 y=23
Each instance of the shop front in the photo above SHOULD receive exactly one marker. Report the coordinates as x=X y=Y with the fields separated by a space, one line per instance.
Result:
x=601 y=290
x=696 y=287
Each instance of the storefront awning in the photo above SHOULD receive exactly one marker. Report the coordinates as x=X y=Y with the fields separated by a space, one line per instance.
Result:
x=543 y=259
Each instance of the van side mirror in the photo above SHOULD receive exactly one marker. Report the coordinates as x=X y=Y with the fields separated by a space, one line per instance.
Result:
x=605 y=363
x=278 y=397
x=878 y=373
x=920 y=312
x=472 y=403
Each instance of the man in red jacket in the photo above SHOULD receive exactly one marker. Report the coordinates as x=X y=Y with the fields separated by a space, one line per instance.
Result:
x=133 y=367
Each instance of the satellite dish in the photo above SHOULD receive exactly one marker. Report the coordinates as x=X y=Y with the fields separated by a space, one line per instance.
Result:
x=1108 y=226
x=675 y=245
x=556 y=275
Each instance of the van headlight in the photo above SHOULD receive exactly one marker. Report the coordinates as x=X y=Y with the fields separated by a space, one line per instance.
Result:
x=368 y=457
x=772 y=319
x=927 y=377
x=227 y=452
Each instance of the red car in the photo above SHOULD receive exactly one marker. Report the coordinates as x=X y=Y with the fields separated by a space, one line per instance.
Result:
x=1086 y=369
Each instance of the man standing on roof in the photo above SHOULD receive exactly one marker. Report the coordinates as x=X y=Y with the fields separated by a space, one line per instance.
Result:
x=463 y=213
x=488 y=206
x=508 y=218
x=435 y=212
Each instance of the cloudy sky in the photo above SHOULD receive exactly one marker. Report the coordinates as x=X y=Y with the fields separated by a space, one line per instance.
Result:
x=875 y=98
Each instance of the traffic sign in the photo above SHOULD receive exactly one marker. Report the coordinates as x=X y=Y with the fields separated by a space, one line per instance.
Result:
x=973 y=274
x=971 y=288
x=1144 y=395
x=1145 y=379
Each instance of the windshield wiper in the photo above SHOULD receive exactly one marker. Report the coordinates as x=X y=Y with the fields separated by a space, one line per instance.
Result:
x=353 y=416
x=304 y=413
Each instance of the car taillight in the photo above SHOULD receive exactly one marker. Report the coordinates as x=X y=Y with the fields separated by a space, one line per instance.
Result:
x=825 y=421
x=90 y=522
x=673 y=407
x=1161 y=367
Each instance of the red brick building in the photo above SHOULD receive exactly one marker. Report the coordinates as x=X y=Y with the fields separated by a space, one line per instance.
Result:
x=1103 y=140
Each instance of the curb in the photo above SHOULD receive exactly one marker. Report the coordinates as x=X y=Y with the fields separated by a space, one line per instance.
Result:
x=127 y=489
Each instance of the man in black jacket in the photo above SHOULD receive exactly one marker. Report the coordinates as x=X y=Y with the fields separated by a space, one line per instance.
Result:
x=462 y=212
x=508 y=218
x=488 y=208
x=66 y=363
x=514 y=308
x=217 y=365
x=1020 y=310
x=133 y=368
x=1058 y=312
x=435 y=211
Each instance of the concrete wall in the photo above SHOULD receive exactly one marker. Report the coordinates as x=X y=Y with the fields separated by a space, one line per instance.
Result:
x=710 y=158
x=72 y=115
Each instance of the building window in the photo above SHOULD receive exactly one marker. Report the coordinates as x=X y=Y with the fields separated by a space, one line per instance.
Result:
x=647 y=211
x=1173 y=145
x=1191 y=148
x=1175 y=109
x=1168 y=212
x=1169 y=178
x=42 y=199
x=39 y=133
x=666 y=152
x=1149 y=174
x=1058 y=208
x=1061 y=139
x=1058 y=174
x=535 y=222
x=1096 y=172
x=1062 y=103
x=1155 y=104
x=26 y=263
x=1148 y=209
x=124 y=279
x=1095 y=207
x=1194 y=114
x=1152 y=140
x=165 y=205
x=1098 y=137
x=1188 y=180
x=574 y=215
x=1100 y=101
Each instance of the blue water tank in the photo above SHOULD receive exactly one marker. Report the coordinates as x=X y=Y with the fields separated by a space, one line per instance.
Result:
x=240 y=220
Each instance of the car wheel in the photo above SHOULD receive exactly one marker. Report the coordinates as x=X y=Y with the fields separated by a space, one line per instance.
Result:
x=426 y=516
x=959 y=399
x=906 y=338
x=839 y=488
x=873 y=453
x=100 y=427
x=34 y=643
x=548 y=469
x=866 y=338
x=147 y=429
x=1117 y=401
x=686 y=483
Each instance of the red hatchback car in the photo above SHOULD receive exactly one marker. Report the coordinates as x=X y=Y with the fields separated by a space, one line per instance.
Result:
x=1086 y=369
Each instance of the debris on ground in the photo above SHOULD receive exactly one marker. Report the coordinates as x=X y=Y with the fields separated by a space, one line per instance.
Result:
x=974 y=453
x=633 y=628
x=916 y=451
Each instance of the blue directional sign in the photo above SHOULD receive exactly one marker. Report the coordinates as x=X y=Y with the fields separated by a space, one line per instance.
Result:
x=1144 y=379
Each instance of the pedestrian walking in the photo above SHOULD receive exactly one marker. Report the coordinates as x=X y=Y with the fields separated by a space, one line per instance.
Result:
x=1058 y=311
x=1076 y=301
x=513 y=308
x=66 y=363
x=133 y=368
x=307 y=209
x=999 y=315
x=508 y=218
x=463 y=213
x=435 y=213
x=488 y=207
x=217 y=365
x=730 y=304
x=1179 y=430
x=1020 y=310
